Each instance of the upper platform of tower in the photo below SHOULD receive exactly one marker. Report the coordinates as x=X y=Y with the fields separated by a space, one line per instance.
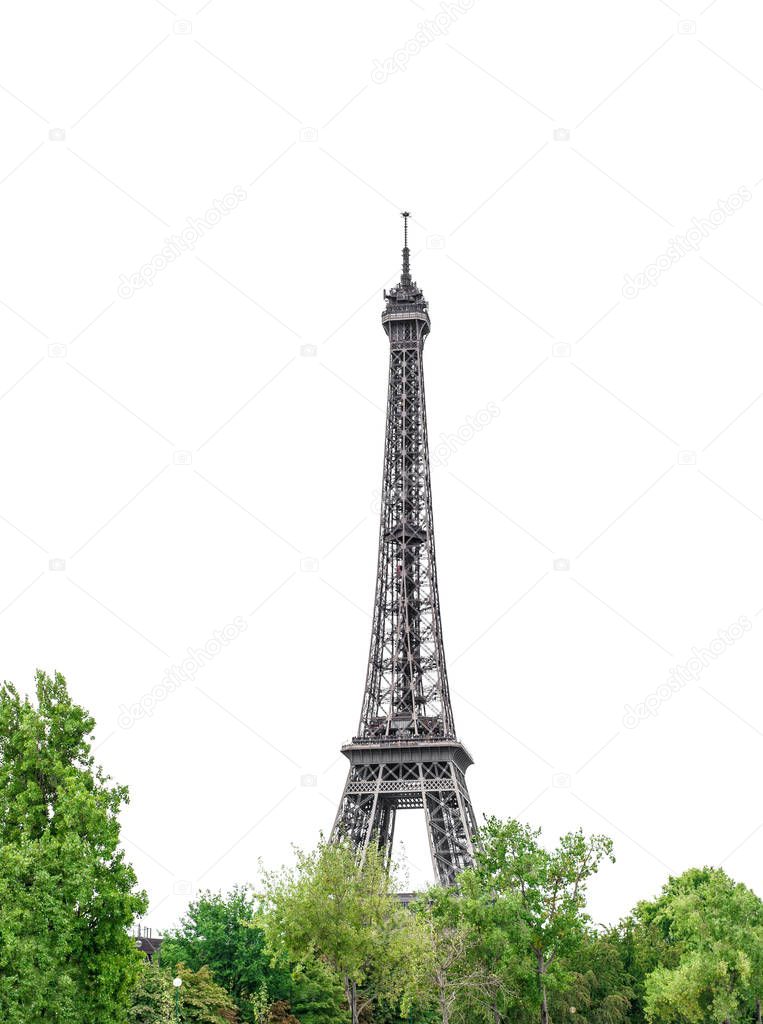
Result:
x=406 y=300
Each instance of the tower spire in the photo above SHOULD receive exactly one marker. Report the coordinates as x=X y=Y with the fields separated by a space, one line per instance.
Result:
x=405 y=278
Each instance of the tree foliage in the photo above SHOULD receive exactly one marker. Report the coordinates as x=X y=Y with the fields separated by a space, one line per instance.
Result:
x=599 y=989
x=328 y=941
x=442 y=966
x=152 y=997
x=544 y=893
x=315 y=994
x=340 y=910
x=226 y=933
x=222 y=932
x=701 y=942
x=67 y=895
x=202 y=1000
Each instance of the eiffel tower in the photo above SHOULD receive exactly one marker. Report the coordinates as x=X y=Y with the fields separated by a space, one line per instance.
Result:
x=406 y=754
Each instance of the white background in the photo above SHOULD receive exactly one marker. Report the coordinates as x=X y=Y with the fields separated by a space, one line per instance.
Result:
x=521 y=241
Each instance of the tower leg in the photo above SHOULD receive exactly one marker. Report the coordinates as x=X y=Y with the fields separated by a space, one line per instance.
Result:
x=375 y=791
x=354 y=819
x=449 y=817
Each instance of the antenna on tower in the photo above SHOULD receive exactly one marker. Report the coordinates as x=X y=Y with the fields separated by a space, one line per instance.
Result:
x=406 y=276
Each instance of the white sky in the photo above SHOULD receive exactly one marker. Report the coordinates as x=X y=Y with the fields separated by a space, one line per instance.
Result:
x=521 y=242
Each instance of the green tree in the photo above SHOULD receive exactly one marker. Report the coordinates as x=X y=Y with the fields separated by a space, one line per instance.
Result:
x=466 y=963
x=442 y=970
x=226 y=933
x=152 y=997
x=701 y=942
x=600 y=988
x=545 y=891
x=67 y=895
x=499 y=942
x=223 y=933
x=202 y=1000
x=315 y=994
x=341 y=911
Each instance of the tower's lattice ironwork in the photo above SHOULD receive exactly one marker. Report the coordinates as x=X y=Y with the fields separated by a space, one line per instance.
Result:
x=406 y=754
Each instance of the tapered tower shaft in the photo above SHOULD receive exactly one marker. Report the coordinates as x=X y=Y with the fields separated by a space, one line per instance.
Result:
x=406 y=753
x=406 y=686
